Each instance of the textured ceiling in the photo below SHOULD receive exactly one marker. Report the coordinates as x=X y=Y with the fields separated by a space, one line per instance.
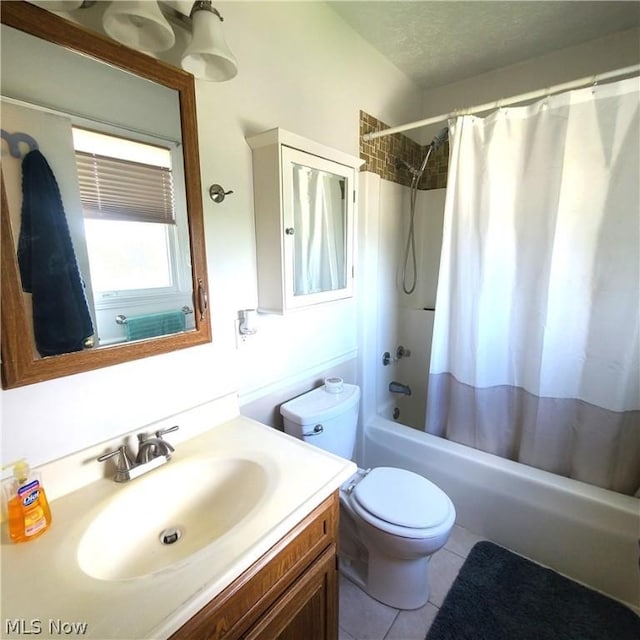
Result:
x=437 y=43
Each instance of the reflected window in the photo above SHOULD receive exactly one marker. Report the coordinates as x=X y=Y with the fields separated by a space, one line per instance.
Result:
x=125 y=256
x=127 y=195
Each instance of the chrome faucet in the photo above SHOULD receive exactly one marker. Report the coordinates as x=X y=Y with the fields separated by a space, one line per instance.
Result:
x=152 y=453
x=399 y=387
x=150 y=448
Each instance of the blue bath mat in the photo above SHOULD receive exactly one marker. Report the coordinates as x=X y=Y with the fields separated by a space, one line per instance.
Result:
x=499 y=595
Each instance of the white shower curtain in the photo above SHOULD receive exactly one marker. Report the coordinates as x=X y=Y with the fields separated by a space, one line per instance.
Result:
x=319 y=263
x=536 y=336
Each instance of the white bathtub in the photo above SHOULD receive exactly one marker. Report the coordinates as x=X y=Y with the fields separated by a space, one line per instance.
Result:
x=584 y=532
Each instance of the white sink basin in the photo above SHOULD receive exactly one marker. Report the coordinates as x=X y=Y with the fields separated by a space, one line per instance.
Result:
x=204 y=499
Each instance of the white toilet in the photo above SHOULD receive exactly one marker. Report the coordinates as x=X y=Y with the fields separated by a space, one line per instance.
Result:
x=391 y=520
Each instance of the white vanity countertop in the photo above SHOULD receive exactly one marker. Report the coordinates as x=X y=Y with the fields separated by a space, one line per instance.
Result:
x=43 y=584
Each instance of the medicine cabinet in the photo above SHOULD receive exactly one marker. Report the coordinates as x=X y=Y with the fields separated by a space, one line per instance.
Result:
x=305 y=196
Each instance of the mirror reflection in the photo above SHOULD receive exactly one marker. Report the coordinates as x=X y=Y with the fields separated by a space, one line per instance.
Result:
x=319 y=220
x=318 y=209
x=96 y=198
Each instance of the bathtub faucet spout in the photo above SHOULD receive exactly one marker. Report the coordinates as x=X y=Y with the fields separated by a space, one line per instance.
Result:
x=398 y=387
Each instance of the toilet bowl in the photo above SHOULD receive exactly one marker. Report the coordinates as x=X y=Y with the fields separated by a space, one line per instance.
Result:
x=391 y=520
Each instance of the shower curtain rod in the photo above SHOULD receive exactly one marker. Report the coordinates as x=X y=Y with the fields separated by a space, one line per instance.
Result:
x=531 y=95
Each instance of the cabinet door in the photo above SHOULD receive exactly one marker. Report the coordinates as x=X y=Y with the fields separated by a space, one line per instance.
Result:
x=308 y=610
x=299 y=568
x=317 y=209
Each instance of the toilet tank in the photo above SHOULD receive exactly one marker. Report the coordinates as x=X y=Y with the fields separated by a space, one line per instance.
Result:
x=327 y=420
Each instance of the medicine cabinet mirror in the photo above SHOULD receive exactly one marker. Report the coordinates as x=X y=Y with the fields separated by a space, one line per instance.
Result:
x=305 y=195
x=145 y=288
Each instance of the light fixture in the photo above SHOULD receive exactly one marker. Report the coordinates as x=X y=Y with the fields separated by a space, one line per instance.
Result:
x=208 y=56
x=58 y=5
x=145 y=25
x=138 y=24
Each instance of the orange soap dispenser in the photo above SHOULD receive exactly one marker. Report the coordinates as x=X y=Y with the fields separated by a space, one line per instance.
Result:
x=28 y=512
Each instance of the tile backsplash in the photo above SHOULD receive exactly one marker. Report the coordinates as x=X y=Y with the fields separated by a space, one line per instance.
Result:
x=380 y=155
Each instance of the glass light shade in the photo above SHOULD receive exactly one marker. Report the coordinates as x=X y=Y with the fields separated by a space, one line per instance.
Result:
x=139 y=24
x=58 y=5
x=208 y=56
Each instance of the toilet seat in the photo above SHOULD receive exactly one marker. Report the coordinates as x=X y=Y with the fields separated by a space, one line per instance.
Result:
x=401 y=503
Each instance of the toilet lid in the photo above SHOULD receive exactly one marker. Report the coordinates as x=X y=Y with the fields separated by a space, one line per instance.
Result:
x=402 y=498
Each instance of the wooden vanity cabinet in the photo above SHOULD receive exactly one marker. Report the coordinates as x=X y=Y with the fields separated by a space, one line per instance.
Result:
x=290 y=593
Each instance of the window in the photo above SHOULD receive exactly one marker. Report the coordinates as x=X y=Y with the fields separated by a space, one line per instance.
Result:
x=127 y=195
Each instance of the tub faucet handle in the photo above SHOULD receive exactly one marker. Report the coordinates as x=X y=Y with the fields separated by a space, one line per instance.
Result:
x=402 y=352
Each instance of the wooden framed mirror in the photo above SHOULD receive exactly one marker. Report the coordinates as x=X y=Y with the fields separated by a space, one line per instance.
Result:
x=132 y=82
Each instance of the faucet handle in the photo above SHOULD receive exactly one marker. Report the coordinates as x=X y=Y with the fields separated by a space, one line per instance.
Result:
x=124 y=464
x=161 y=432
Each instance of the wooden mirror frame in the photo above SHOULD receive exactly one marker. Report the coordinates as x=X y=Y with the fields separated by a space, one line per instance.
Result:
x=20 y=363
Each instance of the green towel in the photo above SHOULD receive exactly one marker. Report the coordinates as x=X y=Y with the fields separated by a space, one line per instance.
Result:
x=155 y=324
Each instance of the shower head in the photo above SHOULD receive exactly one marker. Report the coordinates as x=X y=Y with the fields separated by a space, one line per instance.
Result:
x=441 y=137
x=402 y=164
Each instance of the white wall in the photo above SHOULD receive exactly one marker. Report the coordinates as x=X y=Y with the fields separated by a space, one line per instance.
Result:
x=300 y=68
x=110 y=94
x=399 y=319
x=415 y=322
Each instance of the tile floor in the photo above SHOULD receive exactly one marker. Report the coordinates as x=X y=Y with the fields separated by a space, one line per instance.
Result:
x=363 y=618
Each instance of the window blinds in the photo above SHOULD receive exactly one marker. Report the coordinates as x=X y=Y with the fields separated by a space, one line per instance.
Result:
x=115 y=189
